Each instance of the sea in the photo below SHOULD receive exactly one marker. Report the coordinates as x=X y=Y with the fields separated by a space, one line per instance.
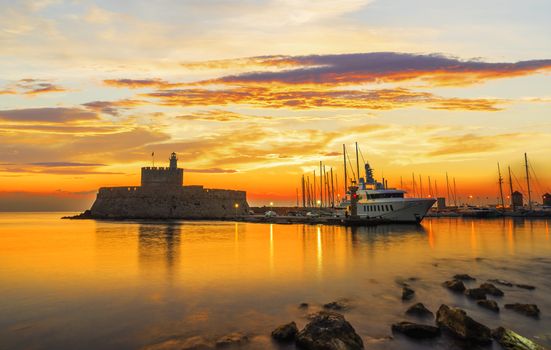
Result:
x=85 y=284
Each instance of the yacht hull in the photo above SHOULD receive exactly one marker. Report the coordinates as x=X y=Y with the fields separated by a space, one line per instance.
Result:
x=392 y=210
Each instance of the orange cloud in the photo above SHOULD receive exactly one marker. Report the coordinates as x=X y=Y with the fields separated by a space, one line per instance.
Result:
x=308 y=98
x=350 y=69
x=141 y=83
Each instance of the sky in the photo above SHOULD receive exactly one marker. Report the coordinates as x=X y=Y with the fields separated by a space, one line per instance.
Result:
x=253 y=94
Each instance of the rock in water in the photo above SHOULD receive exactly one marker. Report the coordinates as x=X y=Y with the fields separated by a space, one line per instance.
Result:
x=488 y=304
x=476 y=293
x=286 y=332
x=417 y=331
x=464 y=277
x=419 y=310
x=502 y=282
x=525 y=286
x=303 y=306
x=407 y=293
x=455 y=285
x=339 y=305
x=232 y=339
x=491 y=289
x=462 y=326
x=510 y=340
x=329 y=331
x=530 y=310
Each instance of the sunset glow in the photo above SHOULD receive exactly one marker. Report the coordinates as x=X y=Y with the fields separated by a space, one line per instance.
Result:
x=253 y=95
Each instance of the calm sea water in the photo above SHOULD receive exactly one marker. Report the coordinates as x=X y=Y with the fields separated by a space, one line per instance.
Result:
x=126 y=285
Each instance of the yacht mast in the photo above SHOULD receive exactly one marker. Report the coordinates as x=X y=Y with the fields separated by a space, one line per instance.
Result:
x=511 y=189
x=528 y=181
x=345 y=176
x=357 y=165
x=500 y=187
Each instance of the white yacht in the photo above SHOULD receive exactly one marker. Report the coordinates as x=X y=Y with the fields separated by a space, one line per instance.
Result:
x=376 y=201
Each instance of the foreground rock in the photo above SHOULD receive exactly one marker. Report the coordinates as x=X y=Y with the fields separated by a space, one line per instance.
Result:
x=460 y=325
x=415 y=330
x=491 y=289
x=419 y=310
x=510 y=340
x=530 y=310
x=464 y=277
x=329 y=331
x=285 y=333
x=476 y=293
x=455 y=285
x=407 y=293
x=232 y=339
x=339 y=305
x=488 y=304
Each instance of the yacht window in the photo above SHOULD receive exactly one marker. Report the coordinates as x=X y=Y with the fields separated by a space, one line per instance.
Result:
x=386 y=207
x=391 y=208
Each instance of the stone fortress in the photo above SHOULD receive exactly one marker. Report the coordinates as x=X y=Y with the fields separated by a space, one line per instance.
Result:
x=163 y=196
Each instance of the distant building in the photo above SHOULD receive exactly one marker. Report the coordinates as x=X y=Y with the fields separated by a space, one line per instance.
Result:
x=547 y=200
x=163 y=177
x=517 y=200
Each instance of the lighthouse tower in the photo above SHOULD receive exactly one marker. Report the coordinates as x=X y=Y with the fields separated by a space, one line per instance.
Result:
x=166 y=178
x=173 y=161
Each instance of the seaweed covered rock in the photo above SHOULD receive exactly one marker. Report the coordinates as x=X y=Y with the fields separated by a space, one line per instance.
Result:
x=530 y=310
x=338 y=305
x=419 y=310
x=415 y=330
x=456 y=321
x=476 y=293
x=510 y=340
x=329 y=331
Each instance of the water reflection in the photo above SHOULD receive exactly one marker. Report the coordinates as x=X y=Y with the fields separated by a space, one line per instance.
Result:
x=139 y=282
x=159 y=247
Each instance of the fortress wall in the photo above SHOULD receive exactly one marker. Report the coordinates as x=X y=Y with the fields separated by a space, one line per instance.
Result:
x=154 y=176
x=191 y=202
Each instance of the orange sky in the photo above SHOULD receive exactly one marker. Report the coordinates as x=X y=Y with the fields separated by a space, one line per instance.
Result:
x=251 y=103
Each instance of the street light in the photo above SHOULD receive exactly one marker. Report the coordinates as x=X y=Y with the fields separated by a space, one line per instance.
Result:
x=236 y=206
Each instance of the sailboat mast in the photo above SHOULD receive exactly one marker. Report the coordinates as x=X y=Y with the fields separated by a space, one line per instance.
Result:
x=303 y=197
x=345 y=176
x=332 y=190
x=321 y=185
x=314 y=199
x=421 y=185
x=528 y=181
x=500 y=187
x=454 y=193
x=448 y=187
x=511 y=189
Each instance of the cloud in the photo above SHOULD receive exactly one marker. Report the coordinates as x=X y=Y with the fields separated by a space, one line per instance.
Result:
x=349 y=69
x=47 y=114
x=219 y=115
x=140 y=83
x=112 y=107
x=8 y=92
x=211 y=171
x=37 y=86
x=308 y=98
x=66 y=164
x=471 y=143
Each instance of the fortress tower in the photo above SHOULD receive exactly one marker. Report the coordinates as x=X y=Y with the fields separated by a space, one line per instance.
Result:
x=160 y=177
